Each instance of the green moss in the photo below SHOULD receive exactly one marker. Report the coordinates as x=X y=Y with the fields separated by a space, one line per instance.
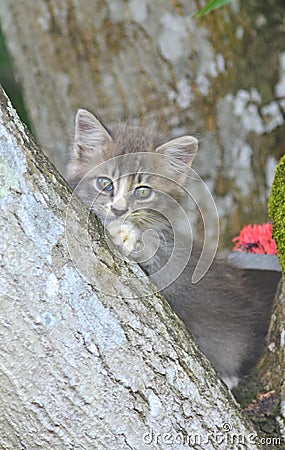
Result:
x=276 y=208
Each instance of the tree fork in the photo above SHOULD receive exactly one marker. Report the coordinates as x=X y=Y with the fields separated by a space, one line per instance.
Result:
x=81 y=368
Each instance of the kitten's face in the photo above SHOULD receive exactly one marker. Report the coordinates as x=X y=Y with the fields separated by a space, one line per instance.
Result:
x=131 y=182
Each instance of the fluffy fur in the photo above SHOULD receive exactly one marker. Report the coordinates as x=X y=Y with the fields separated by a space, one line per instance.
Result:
x=227 y=312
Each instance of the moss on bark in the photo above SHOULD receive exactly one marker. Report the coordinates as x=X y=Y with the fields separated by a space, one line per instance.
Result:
x=276 y=208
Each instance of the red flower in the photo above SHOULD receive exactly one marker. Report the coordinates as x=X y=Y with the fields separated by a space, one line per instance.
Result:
x=256 y=239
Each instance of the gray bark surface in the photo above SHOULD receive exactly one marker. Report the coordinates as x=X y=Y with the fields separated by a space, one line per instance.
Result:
x=90 y=357
x=271 y=367
x=214 y=77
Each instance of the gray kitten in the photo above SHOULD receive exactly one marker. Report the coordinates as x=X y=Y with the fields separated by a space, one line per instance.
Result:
x=137 y=186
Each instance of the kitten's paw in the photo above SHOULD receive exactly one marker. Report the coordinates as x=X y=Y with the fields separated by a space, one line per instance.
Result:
x=123 y=236
x=231 y=382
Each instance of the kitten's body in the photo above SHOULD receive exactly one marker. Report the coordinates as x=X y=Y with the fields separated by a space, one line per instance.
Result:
x=225 y=311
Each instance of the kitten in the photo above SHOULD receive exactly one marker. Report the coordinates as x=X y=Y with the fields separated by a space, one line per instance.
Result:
x=137 y=186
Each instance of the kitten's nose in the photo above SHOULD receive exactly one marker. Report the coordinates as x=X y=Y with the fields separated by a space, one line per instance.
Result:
x=118 y=212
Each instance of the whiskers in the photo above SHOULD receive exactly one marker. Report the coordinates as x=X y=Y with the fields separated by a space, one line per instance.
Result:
x=147 y=219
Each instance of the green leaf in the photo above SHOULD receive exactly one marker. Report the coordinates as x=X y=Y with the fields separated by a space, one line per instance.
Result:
x=213 y=4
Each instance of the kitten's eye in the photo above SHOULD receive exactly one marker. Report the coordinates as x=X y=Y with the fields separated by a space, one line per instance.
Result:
x=105 y=184
x=143 y=192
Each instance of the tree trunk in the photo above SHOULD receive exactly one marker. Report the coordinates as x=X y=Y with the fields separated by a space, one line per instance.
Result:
x=271 y=368
x=149 y=60
x=154 y=60
x=90 y=357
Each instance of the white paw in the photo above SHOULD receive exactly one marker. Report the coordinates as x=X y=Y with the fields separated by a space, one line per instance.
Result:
x=231 y=382
x=123 y=236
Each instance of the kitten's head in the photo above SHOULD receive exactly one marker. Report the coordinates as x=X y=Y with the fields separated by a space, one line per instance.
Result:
x=126 y=176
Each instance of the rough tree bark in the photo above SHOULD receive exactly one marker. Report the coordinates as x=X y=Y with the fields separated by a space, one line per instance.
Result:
x=90 y=357
x=125 y=58
x=271 y=367
x=214 y=77
x=266 y=386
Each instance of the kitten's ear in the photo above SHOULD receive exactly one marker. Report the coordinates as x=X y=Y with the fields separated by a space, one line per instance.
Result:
x=182 y=149
x=90 y=134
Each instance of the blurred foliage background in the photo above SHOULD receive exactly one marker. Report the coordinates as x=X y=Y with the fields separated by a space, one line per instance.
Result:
x=9 y=82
